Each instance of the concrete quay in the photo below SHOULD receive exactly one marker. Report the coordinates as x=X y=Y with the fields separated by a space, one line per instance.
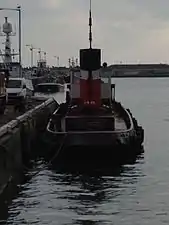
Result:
x=18 y=132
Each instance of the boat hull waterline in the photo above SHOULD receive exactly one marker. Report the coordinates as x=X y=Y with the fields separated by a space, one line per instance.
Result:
x=96 y=145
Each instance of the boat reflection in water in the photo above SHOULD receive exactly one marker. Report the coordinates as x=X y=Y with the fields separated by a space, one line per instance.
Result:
x=89 y=193
x=51 y=195
x=104 y=167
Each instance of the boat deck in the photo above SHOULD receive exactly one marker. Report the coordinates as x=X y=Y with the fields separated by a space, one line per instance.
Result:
x=119 y=122
x=104 y=119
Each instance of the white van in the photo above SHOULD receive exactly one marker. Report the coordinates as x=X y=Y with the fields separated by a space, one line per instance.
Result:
x=16 y=90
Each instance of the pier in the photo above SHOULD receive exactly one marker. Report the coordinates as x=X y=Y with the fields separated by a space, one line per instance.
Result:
x=18 y=133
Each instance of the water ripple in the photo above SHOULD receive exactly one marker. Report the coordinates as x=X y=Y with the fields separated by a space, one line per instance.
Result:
x=135 y=194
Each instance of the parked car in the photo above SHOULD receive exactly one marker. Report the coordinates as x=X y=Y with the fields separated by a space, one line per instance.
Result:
x=16 y=89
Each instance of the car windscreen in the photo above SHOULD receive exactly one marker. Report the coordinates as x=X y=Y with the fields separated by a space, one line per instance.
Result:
x=46 y=88
x=14 y=84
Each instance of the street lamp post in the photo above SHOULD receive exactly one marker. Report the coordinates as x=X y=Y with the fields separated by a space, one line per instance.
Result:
x=39 y=53
x=20 y=41
x=44 y=53
x=31 y=50
x=18 y=9
x=57 y=58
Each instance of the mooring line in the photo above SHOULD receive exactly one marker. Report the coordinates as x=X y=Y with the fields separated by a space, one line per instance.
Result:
x=58 y=151
x=50 y=161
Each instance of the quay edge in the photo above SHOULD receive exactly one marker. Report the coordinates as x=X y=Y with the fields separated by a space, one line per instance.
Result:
x=18 y=136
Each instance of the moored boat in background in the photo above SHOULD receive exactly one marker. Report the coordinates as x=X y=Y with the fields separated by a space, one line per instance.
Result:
x=47 y=90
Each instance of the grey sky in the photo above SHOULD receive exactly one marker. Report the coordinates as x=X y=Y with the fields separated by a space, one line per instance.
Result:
x=130 y=31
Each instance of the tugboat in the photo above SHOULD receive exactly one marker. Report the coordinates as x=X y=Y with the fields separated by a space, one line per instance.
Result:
x=92 y=126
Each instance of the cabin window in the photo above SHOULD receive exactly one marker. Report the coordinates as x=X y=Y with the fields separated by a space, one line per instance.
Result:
x=14 y=84
x=47 y=88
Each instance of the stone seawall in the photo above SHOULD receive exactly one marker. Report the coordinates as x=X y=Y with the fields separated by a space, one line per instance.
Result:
x=17 y=138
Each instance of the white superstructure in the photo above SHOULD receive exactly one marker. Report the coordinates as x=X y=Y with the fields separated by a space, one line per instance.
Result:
x=8 y=53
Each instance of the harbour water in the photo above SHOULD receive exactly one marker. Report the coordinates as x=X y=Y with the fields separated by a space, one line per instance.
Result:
x=134 y=194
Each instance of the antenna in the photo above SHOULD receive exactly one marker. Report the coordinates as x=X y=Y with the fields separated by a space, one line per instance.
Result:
x=90 y=24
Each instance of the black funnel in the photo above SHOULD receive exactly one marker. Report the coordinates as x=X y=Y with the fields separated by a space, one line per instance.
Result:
x=90 y=59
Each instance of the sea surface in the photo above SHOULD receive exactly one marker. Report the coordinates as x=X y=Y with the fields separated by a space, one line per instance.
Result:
x=136 y=194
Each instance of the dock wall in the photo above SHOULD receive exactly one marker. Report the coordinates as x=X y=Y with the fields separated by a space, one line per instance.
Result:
x=17 y=138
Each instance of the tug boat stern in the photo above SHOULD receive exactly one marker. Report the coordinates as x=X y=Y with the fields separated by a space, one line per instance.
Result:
x=92 y=125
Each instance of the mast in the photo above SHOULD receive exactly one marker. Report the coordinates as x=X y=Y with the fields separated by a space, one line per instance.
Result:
x=7 y=30
x=90 y=47
x=90 y=87
x=90 y=24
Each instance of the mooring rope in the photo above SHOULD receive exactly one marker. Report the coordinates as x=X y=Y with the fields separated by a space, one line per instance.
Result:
x=58 y=151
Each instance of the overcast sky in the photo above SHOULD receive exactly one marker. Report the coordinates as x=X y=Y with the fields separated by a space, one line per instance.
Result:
x=130 y=31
